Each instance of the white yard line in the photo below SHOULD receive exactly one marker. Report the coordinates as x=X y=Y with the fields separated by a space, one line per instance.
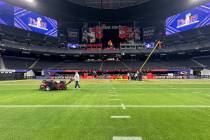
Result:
x=120 y=117
x=14 y=84
x=168 y=106
x=113 y=95
x=104 y=106
x=115 y=99
x=111 y=92
x=124 y=83
x=126 y=138
x=196 y=92
x=130 y=88
x=123 y=106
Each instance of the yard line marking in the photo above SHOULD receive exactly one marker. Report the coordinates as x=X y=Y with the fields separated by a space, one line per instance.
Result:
x=162 y=88
x=123 y=106
x=168 y=106
x=17 y=89
x=196 y=92
x=115 y=99
x=131 y=88
x=120 y=117
x=60 y=106
x=112 y=92
x=113 y=95
x=104 y=106
x=126 y=138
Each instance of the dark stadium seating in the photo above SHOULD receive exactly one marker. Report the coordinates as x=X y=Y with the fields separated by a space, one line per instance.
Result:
x=181 y=64
x=187 y=41
x=205 y=61
x=46 y=64
x=11 y=76
x=95 y=65
x=17 y=62
x=20 y=41
x=22 y=63
x=187 y=63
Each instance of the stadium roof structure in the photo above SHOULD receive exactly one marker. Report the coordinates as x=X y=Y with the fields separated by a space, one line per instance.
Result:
x=145 y=11
x=109 y=4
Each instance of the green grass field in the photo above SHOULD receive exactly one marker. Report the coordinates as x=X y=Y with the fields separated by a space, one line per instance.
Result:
x=155 y=110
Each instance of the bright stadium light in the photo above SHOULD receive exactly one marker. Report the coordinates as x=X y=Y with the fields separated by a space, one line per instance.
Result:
x=196 y=1
x=31 y=1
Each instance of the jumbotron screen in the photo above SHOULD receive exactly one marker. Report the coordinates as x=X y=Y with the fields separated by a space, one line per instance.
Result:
x=21 y=18
x=190 y=19
x=6 y=14
x=34 y=22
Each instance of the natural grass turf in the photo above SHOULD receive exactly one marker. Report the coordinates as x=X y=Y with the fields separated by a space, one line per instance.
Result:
x=95 y=123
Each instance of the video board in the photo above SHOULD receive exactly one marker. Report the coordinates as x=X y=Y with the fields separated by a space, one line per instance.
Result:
x=27 y=20
x=34 y=22
x=6 y=14
x=190 y=19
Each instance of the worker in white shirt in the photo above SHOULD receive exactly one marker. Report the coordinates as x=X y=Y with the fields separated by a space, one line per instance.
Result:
x=77 y=79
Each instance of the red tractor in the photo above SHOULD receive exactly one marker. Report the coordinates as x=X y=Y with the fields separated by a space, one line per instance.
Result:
x=48 y=85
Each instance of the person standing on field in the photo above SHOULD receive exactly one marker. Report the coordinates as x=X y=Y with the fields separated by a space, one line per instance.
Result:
x=77 y=79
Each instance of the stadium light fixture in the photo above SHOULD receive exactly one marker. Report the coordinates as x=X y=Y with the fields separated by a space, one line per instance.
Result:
x=31 y=1
x=197 y=1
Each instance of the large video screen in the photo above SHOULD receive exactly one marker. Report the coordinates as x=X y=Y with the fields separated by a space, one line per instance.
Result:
x=190 y=19
x=34 y=22
x=6 y=14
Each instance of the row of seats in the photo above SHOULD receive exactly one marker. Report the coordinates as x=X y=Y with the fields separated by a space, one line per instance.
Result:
x=26 y=63
x=204 y=61
x=17 y=62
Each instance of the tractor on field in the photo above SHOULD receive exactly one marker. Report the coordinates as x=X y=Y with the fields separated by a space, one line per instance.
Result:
x=48 y=85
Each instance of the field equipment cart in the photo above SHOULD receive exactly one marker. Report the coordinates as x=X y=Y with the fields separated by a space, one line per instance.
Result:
x=48 y=85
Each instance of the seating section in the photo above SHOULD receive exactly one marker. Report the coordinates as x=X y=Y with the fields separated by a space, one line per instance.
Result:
x=14 y=41
x=75 y=65
x=17 y=62
x=204 y=60
x=25 y=63
x=46 y=64
x=113 y=66
x=183 y=63
x=133 y=65
x=1 y=63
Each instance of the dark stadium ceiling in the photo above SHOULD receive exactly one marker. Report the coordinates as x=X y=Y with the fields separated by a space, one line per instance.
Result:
x=109 y=4
x=145 y=11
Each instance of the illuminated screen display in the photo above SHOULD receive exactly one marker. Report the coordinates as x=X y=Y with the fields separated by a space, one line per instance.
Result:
x=73 y=46
x=149 y=45
x=34 y=22
x=190 y=19
x=6 y=14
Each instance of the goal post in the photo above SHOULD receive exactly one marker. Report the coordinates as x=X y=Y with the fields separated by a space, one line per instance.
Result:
x=151 y=53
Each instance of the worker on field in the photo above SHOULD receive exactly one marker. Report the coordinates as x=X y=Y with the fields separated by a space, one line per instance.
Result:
x=140 y=76
x=77 y=79
x=129 y=76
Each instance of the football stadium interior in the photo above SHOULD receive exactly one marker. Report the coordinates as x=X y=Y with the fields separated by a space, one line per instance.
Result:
x=104 y=70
